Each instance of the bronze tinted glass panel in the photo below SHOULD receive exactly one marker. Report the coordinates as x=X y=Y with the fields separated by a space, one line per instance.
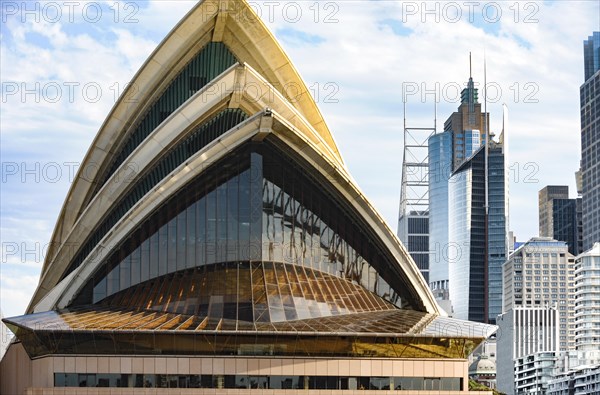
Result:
x=256 y=205
x=388 y=334
x=260 y=292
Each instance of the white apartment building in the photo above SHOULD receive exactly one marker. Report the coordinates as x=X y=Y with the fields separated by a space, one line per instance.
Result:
x=587 y=306
x=541 y=273
x=528 y=341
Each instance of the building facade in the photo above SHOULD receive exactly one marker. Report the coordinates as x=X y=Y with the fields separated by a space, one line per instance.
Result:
x=590 y=142
x=533 y=373
x=585 y=378
x=546 y=198
x=483 y=371
x=467 y=125
x=583 y=375
x=480 y=234
x=527 y=346
x=582 y=381
x=241 y=257
x=464 y=133
x=440 y=169
x=468 y=201
x=560 y=217
x=541 y=273
x=587 y=307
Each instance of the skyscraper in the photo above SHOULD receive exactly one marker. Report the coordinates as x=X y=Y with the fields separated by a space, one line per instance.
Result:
x=546 y=197
x=464 y=133
x=468 y=203
x=475 y=274
x=591 y=55
x=467 y=125
x=560 y=217
x=440 y=168
x=590 y=141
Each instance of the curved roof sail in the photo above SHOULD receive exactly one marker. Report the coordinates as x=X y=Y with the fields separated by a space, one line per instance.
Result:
x=238 y=219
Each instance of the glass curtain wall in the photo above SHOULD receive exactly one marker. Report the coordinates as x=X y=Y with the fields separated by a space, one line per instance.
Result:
x=253 y=206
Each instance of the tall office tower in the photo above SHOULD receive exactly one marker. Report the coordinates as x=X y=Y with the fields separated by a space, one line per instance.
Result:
x=413 y=219
x=475 y=273
x=464 y=133
x=467 y=125
x=559 y=216
x=590 y=141
x=591 y=55
x=540 y=273
x=587 y=306
x=546 y=197
x=528 y=342
x=440 y=168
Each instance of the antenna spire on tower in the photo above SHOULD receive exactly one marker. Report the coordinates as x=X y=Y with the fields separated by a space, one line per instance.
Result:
x=470 y=67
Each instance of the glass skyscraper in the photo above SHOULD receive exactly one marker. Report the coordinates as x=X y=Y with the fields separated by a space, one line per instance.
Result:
x=591 y=55
x=462 y=249
x=590 y=141
x=475 y=274
x=440 y=167
x=560 y=217
x=497 y=225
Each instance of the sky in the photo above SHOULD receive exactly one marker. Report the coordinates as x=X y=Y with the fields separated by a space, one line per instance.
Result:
x=63 y=65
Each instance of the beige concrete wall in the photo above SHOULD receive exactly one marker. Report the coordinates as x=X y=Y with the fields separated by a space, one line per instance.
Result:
x=20 y=375
x=260 y=366
x=15 y=371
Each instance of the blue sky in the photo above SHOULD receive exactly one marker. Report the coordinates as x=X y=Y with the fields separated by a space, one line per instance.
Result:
x=62 y=69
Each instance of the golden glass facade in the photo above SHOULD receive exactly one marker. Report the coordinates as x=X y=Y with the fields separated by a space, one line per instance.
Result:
x=254 y=206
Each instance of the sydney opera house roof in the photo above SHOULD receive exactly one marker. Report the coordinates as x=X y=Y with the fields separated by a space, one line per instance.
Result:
x=214 y=215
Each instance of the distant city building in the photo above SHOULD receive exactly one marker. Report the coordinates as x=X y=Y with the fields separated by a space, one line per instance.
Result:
x=581 y=381
x=533 y=373
x=560 y=217
x=483 y=371
x=440 y=168
x=591 y=55
x=464 y=133
x=590 y=141
x=460 y=245
x=587 y=307
x=475 y=273
x=546 y=198
x=512 y=242
x=585 y=378
x=528 y=340
x=540 y=273
x=467 y=125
